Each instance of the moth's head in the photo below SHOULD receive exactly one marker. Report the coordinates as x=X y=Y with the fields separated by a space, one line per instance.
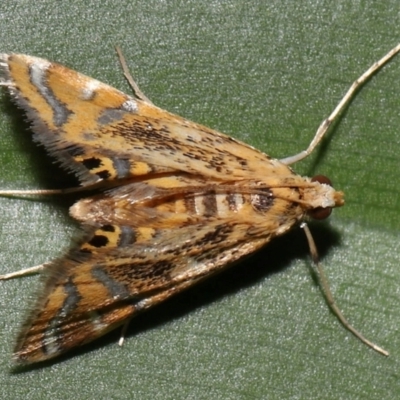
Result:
x=330 y=198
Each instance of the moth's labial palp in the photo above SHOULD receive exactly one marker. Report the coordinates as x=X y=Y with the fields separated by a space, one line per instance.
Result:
x=320 y=213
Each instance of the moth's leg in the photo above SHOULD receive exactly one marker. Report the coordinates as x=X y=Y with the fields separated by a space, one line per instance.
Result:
x=51 y=192
x=23 y=272
x=6 y=83
x=323 y=128
x=329 y=296
x=33 y=192
x=137 y=92
x=123 y=332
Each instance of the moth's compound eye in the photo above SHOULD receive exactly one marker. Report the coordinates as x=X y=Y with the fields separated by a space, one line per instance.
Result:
x=321 y=179
x=320 y=212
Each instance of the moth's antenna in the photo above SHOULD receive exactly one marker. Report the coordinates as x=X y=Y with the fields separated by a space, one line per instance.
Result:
x=326 y=123
x=329 y=296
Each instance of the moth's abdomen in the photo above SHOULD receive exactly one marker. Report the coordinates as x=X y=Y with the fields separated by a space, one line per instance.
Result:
x=223 y=205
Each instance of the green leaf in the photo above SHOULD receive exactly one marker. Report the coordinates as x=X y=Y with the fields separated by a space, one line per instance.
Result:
x=266 y=73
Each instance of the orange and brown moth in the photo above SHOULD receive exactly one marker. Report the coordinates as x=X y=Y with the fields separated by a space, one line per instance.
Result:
x=176 y=202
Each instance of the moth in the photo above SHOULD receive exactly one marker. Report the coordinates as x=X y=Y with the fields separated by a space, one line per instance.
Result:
x=174 y=201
